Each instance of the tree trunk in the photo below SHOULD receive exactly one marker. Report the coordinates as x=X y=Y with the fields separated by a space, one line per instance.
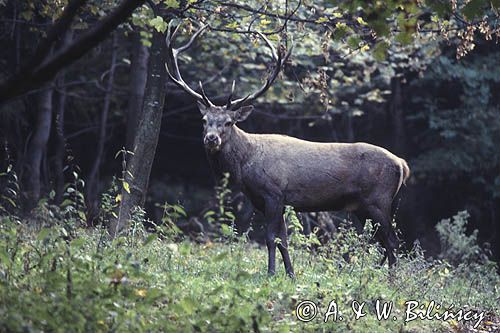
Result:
x=146 y=138
x=32 y=76
x=93 y=178
x=60 y=144
x=138 y=78
x=349 y=127
x=397 y=117
x=38 y=146
x=60 y=153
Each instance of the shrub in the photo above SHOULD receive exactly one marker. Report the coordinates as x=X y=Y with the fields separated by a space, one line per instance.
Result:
x=456 y=246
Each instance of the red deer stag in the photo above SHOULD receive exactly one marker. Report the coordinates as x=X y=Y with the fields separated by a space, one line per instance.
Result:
x=278 y=170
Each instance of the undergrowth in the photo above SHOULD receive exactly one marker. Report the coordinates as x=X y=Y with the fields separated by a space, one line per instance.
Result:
x=58 y=276
x=80 y=281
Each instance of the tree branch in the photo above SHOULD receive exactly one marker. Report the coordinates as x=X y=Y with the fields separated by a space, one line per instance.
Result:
x=55 y=31
x=46 y=70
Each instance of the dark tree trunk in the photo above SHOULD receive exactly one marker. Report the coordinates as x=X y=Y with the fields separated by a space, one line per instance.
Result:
x=493 y=231
x=43 y=69
x=60 y=148
x=146 y=138
x=397 y=117
x=349 y=127
x=60 y=144
x=93 y=178
x=138 y=78
x=38 y=146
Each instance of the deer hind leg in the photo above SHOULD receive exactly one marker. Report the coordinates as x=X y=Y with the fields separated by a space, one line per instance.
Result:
x=277 y=228
x=283 y=246
x=385 y=234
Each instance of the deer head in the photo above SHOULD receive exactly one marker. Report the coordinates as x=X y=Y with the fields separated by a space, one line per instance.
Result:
x=218 y=120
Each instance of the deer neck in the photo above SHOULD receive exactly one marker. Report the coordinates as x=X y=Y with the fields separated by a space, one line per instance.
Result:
x=236 y=150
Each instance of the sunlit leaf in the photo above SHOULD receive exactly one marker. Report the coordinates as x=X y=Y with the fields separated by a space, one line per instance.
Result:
x=126 y=187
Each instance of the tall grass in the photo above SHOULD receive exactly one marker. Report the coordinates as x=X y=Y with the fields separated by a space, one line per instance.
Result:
x=56 y=275
x=62 y=278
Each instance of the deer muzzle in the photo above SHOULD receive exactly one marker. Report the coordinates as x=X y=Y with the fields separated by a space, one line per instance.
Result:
x=212 y=141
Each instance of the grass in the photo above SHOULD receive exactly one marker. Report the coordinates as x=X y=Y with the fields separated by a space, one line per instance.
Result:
x=61 y=279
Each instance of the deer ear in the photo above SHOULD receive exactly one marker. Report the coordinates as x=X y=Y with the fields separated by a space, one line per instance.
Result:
x=202 y=107
x=243 y=112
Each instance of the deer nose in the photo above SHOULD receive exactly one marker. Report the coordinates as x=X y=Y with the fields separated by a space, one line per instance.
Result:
x=211 y=137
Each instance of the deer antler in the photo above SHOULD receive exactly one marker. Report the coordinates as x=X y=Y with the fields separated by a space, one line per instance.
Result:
x=279 y=60
x=230 y=97
x=175 y=75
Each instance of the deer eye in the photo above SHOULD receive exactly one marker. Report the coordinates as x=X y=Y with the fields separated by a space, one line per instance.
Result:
x=228 y=123
x=204 y=121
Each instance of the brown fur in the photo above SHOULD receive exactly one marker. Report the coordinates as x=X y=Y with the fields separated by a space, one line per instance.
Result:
x=277 y=170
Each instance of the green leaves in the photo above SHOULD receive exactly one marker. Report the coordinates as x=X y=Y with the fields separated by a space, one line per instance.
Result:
x=340 y=31
x=380 y=50
x=467 y=131
x=216 y=287
x=354 y=42
x=44 y=233
x=233 y=25
x=322 y=20
x=4 y=257
x=379 y=25
x=474 y=8
x=404 y=37
x=226 y=230
x=126 y=186
x=159 y=24
x=172 y=4
x=441 y=8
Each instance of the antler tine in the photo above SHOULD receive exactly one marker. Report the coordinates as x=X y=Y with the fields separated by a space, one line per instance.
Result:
x=279 y=60
x=176 y=76
x=204 y=95
x=171 y=36
x=171 y=53
x=193 y=38
x=269 y=44
x=230 y=97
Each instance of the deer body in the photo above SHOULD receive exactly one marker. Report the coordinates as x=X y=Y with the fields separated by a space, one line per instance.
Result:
x=278 y=170
x=310 y=176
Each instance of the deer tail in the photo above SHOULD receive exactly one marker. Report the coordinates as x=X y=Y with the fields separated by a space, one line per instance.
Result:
x=404 y=174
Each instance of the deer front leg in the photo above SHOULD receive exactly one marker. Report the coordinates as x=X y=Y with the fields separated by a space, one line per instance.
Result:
x=276 y=226
x=271 y=249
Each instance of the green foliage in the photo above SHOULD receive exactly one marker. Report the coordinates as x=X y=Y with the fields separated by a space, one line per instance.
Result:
x=73 y=205
x=475 y=8
x=110 y=201
x=56 y=276
x=68 y=216
x=125 y=173
x=170 y=215
x=9 y=194
x=462 y=137
x=159 y=24
x=223 y=214
x=456 y=246
x=49 y=282
x=135 y=235
x=297 y=237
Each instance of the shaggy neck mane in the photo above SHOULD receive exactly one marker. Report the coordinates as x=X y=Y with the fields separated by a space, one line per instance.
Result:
x=233 y=152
